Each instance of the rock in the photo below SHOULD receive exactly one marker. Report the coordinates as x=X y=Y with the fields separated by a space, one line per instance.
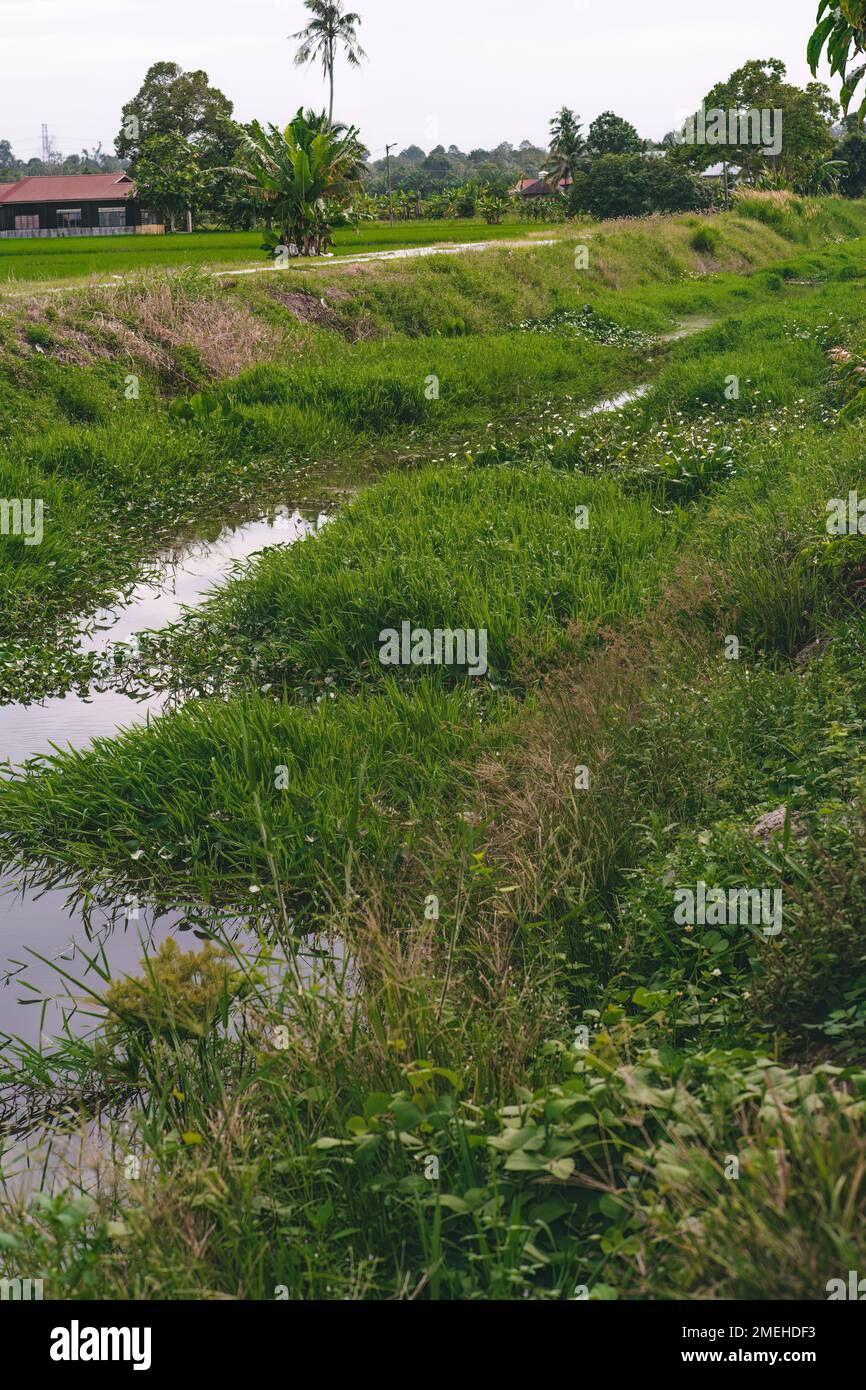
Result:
x=772 y=823
x=811 y=649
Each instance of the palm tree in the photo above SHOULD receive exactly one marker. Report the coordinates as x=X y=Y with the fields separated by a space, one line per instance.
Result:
x=330 y=27
x=567 y=146
x=306 y=175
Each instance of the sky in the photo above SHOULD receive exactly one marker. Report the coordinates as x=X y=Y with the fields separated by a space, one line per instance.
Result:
x=467 y=72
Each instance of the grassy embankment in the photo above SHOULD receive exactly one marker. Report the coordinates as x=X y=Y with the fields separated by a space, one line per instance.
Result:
x=347 y=358
x=446 y=1129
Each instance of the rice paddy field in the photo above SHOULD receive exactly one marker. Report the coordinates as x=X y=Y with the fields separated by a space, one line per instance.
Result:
x=53 y=262
x=434 y=735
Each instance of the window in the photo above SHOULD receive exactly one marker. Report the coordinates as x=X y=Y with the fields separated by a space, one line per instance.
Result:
x=69 y=217
x=148 y=218
x=112 y=217
x=27 y=222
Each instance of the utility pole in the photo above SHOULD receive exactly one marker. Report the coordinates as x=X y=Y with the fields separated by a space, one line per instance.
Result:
x=388 y=149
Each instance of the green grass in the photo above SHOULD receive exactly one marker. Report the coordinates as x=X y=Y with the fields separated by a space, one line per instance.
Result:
x=128 y=475
x=516 y=1074
x=322 y=789
x=73 y=258
x=490 y=548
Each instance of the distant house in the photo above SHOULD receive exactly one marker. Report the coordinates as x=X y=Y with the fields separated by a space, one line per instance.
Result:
x=62 y=205
x=716 y=173
x=538 y=187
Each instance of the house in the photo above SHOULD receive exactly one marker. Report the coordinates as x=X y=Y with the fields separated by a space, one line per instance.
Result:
x=62 y=205
x=538 y=188
x=716 y=173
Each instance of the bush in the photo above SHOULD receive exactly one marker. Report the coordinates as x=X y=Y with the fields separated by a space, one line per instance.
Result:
x=631 y=185
x=853 y=150
x=704 y=239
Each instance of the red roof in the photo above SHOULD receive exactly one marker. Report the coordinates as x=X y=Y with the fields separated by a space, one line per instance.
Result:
x=57 y=188
x=540 y=188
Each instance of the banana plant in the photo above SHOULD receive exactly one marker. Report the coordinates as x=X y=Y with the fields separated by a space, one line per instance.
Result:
x=307 y=176
x=826 y=176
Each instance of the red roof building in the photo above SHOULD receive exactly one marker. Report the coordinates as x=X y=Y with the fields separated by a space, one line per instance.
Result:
x=539 y=188
x=72 y=205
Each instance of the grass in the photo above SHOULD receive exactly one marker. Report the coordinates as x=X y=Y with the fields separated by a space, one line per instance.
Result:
x=305 y=826
x=24 y=262
x=499 y=552
x=513 y=1072
x=401 y=357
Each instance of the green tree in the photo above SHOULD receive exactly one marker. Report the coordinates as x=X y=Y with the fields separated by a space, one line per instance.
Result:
x=172 y=102
x=841 y=29
x=630 y=185
x=329 y=29
x=493 y=204
x=611 y=134
x=169 y=177
x=852 y=151
x=193 y=121
x=567 y=145
x=306 y=175
x=803 y=140
x=466 y=198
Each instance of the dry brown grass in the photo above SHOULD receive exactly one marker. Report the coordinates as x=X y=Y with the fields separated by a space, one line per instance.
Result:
x=147 y=321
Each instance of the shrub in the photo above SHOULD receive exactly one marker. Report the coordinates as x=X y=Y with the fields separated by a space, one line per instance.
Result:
x=631 y=185
x=704 y=239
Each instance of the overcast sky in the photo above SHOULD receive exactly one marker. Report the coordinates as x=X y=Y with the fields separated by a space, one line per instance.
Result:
x=467 y=72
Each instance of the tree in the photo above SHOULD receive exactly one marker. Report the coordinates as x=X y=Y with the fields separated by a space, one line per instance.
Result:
x=466 y=198
x=826 y=177
x=493 y=204
x=610 y=134
x=306 y=176
x=177 y=114
x=330 y=28
x=852 y=150
x=171 y=102
x=841 y=28
x=797 y=145
x=567 y=146
x=169 y=177
x=630 y=185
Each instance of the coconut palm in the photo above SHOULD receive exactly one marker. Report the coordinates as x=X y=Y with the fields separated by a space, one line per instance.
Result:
x=330 y=28
x=567 y=147
x=306 y=175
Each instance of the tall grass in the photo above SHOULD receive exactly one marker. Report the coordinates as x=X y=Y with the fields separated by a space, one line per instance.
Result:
x=514 y=1074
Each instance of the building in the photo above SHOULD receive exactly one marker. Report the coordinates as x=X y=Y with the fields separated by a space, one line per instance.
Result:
x=538 y=188
x=62 y=205
x=716 y=174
